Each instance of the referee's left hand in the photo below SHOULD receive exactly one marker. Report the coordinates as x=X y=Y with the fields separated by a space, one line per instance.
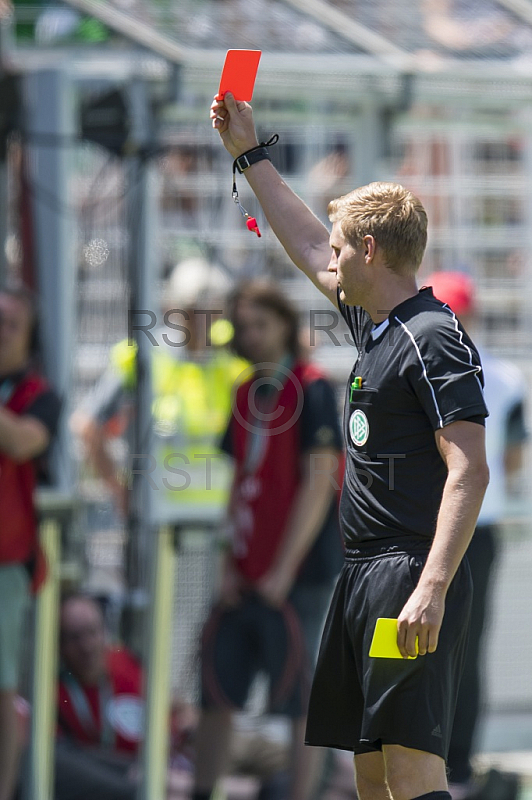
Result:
x=421 y=619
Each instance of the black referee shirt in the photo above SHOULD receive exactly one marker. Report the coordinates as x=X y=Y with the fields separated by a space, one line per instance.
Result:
x=416 y=372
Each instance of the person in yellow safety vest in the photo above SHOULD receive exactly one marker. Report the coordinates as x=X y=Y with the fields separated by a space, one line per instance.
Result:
x=193 y=377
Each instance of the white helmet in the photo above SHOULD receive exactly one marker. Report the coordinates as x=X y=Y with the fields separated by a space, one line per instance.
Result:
x=195 y=280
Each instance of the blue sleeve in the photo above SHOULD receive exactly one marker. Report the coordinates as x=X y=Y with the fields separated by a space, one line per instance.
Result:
x=516 y=432
x=46 y=408
x=106 y=399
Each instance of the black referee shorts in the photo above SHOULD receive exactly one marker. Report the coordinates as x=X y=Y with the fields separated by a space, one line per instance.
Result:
x=359 y=703
x=239 y=642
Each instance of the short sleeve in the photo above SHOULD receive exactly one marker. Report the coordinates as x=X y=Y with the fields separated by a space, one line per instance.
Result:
x=106 y=399
x=447 y=375
x=319 y=419
x=516 y=431
x=226 y=442
x=47 y=409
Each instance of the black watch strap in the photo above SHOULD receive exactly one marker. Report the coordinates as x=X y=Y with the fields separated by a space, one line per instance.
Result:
x=247 y=160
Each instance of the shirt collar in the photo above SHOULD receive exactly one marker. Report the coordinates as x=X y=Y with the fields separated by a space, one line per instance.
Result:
x=380 y=328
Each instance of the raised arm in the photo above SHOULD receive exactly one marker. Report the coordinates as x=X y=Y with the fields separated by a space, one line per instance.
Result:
x=303 y=236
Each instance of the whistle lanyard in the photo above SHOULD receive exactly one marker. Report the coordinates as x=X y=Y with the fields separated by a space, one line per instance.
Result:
x=251 y=222
x=105 y=734
x=258 y=434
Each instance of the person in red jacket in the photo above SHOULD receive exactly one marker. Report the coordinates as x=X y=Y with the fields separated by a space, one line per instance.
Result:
x=99 y=708
x=100 y=687
x=285 y=549
x=29 y=412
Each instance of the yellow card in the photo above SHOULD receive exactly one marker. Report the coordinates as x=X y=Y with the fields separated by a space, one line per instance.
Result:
x=384 y=642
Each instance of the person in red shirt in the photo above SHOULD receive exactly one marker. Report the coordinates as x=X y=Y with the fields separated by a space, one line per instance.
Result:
x=29 y=411
x=100 y=715
x=285 y=549
x=100 y=708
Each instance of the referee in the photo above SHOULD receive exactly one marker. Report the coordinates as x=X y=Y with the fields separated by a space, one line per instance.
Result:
x=415 y=476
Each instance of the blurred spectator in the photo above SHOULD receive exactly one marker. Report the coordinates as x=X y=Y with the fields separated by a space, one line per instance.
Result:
x=505 y=393
x=29 y=412
x=461 y=27
x=183 y=165
x=285 y=549
x=193 y=376
x=100 y=708
x=100 y=711
x=6 y=9
x=327 y=178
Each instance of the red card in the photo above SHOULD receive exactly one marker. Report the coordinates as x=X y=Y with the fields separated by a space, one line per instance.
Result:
x=239 y=73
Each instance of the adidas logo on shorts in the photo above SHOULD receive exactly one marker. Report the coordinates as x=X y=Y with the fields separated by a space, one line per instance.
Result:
x=437 y=731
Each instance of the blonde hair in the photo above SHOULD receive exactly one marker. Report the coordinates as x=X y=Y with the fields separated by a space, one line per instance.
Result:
x=392 y=215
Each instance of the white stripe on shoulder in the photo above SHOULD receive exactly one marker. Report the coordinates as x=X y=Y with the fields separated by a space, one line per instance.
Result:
x=468 y=349
x=423 y=369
